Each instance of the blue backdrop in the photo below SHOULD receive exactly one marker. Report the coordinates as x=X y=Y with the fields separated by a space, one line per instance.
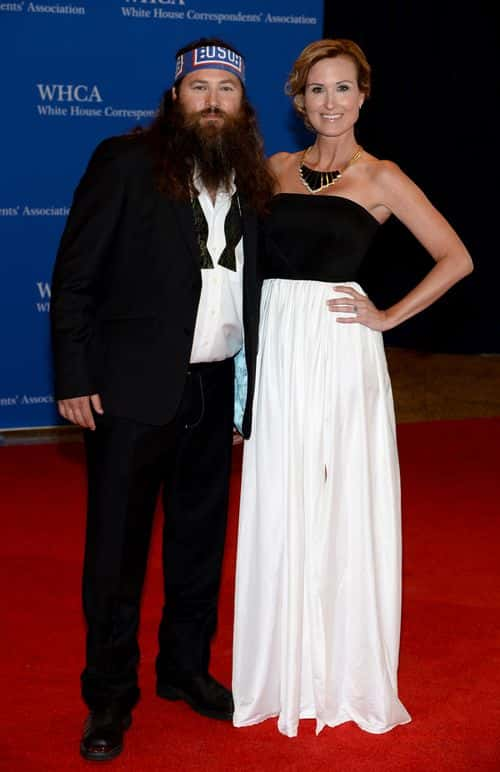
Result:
x=72 y=73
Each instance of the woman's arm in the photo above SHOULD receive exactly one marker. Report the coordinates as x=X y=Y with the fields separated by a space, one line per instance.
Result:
x=401 y=197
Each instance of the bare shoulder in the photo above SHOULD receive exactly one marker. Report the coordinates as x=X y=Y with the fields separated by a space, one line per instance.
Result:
x=279 y=162
x=387 y=178
x=387 y=174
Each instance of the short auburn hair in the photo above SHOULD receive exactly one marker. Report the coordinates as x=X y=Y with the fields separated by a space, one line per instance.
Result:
x=326 y=49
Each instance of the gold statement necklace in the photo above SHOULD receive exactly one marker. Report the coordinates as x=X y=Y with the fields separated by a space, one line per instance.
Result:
x=315 y=180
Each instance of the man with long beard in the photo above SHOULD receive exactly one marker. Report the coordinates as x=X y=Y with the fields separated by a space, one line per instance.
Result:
x=154 y=291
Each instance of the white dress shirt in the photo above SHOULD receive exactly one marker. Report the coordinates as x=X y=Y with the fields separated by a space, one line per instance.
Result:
x=218 y=331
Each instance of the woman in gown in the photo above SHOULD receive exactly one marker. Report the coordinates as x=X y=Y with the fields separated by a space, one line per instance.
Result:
x=318 y=585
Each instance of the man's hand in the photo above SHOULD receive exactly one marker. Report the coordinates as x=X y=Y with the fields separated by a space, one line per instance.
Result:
x=78 y=410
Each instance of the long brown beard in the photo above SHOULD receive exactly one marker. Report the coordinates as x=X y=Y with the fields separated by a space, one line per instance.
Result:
x=214 y=148
x=174 y=152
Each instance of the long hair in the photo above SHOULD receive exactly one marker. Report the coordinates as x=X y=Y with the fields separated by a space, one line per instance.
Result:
x=174 y=167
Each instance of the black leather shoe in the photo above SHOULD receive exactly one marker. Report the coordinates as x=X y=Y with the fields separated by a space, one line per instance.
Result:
x=102 y=738
x=202 y=692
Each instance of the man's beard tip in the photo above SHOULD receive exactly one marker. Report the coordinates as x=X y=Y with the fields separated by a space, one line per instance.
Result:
x=217 y=149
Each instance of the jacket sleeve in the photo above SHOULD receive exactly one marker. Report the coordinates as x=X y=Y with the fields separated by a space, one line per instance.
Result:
x=84 y=246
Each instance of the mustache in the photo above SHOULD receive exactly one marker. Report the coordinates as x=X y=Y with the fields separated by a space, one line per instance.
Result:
x=212 y=111
x=192 y=120
x=213 y=147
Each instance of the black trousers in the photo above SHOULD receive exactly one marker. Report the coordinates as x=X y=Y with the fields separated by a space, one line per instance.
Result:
x=127 y=463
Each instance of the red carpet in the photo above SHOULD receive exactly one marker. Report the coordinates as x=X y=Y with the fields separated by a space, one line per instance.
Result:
x=450 y=660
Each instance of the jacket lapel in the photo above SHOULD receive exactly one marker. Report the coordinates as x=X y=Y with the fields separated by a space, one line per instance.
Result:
x=184 y=215
x=250 y=252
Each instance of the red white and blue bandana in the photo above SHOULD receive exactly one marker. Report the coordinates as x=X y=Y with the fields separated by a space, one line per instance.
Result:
x=213 y=57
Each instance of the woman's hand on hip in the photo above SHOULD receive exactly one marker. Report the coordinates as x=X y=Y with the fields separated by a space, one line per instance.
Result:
x=363 y=310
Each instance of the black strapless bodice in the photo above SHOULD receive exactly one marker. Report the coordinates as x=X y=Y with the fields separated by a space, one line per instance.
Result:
x=316 y=238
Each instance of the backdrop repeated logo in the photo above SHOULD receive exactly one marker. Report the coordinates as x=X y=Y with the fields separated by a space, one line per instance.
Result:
x=42 y=305
x=153 y=9
x=81 y=100
x=43 y=8
x=73 y=73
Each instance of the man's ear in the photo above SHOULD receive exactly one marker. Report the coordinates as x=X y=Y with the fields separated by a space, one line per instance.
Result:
x=174 y=93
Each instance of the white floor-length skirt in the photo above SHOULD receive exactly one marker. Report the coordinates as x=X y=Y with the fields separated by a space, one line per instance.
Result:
x=318 y=584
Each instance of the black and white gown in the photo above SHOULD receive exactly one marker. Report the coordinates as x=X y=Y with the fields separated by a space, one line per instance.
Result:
x=318 y=581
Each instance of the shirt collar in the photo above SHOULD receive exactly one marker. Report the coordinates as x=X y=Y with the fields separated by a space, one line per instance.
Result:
x=221 y=193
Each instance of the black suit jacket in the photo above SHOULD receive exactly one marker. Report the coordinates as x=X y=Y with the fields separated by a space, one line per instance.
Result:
x=126 y=288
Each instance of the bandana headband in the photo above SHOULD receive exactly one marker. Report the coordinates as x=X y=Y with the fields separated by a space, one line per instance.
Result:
x=213 y=57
